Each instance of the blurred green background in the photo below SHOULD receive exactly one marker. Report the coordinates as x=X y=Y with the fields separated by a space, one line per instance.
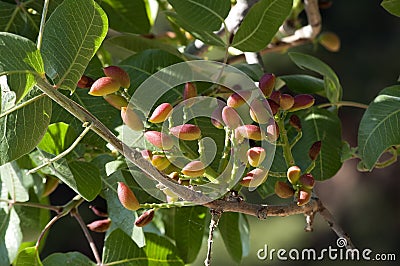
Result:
x=366 y=205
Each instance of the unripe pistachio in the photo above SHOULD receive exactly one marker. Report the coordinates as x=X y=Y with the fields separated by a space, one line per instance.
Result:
x=116 y=101
x=249 y=132
x=131 y=119
x=254 y=178
x=295 y=122
x=283 y=190
x=238 y=98
x=267 y=84
x=303 y=196
x=272 y=131
x=293 y=174
x=307 y=181
x=85 y=82
x=160 y=162
x=118 y=74
x=274 y=106
x=159 y=140
x=258 y=112
x=98 y=211
x=99 y=226
x=256 y=155
x=230 y=117
x=50 y=185
x=302 y=101
x=161 y=113
x=189 y=91
x=194 y=169
x=126 y=197
x=330 y=41
x=147 y=154
x=145 y=218
x=314 y=150
x=186 y=132
x=276 y=97
x=286 y=102
x=104 y=86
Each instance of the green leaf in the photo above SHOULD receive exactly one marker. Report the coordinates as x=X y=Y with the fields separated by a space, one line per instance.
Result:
x=392 y=6
x=206 y=15
x=127 y=16
x=234 y=230
x=189 y=225
x=161 y=251
x=254 y=71
x=119 y=249
x=58 y=137
x=260 y=24
x=320 y=124
x=23 y=129
x=10 y=234
x=122 y=218
x=20 y=61
x=70 y=258
x=333 y=89
x=72 y=35
x=13 y=179
x=28 y=257
x=86 y=179
x=304 y=84
x=129 y=44
x=379 y=127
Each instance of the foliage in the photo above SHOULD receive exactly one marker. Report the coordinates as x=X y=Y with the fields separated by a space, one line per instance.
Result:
x=43 y=143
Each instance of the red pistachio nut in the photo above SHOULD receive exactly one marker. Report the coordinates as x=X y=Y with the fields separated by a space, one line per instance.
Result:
x=272 y=131
x=286 y=102
x=145 y=218
x=98 y=211
x=259 y=112
x=276 y=96
x=254 y=178
x=307 y=181
x=302 y=101
x=131 y=119
x=314 y=150
x=159 y=140
x=186 y=132
x=189 y=91
x=85 y=82
x=194 y=169
x=238 y=98
x=293 y=174
x=274 y=106
x=303 y=196
x=330 y=41
x=118 y=74
x=126 y=197
x=256 y=155
x=116 y=101
x=230 y=117
x=104 y=86
x=267 y=84
x=283 y=190
x=249 y=132
x=99 y=226
x=161 y=113
x=147 y=154
x=160 y=162
x=295 y=122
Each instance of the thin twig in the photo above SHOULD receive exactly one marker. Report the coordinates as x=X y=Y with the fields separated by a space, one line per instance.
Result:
x=215 y=216
x=56 y=209
x=62 y=154
x=77 y=216
x=47 y=227
x=344 y=103
x=17 y=107
x=42 y=22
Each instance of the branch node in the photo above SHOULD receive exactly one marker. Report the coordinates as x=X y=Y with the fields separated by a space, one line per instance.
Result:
x=262 y=213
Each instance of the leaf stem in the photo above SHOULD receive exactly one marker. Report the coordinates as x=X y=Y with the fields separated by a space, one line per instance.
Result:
x=17 y=107
x=344 y=103
x=56 y=209
x=165 y=205
x=42 y=22
x=296 y=139
x=287 y=152
x=64 y=153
